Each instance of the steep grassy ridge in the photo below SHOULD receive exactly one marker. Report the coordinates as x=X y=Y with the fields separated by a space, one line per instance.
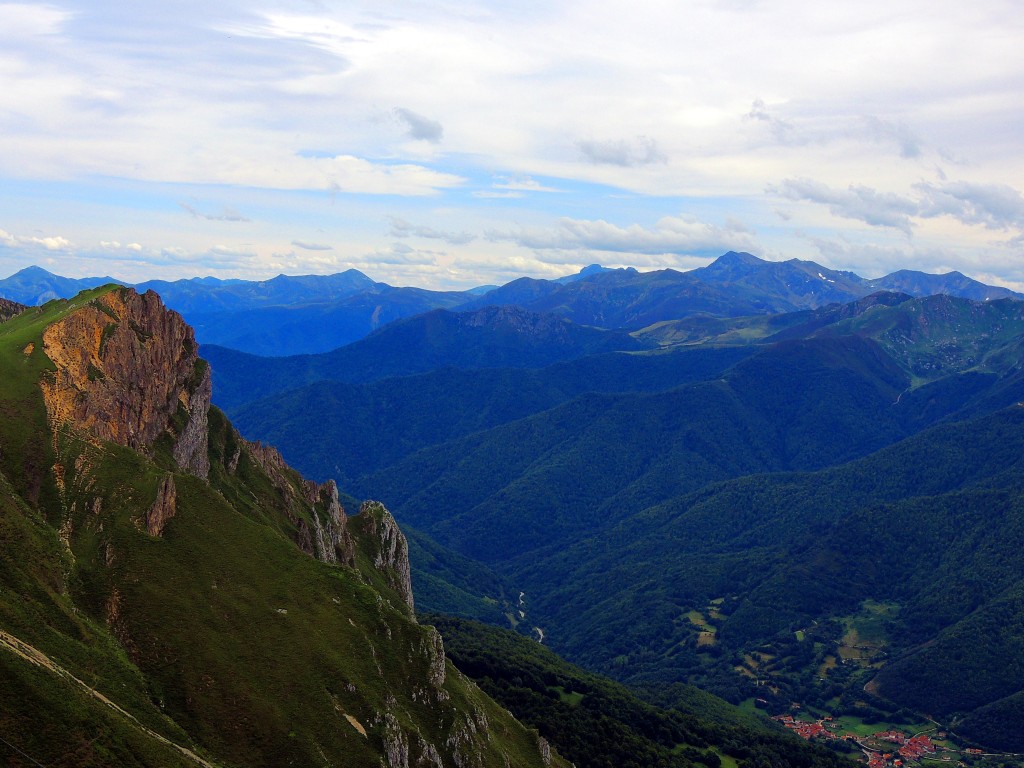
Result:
x=157 y=615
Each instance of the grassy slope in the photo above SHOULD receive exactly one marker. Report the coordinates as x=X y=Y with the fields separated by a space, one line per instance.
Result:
x=220 y=634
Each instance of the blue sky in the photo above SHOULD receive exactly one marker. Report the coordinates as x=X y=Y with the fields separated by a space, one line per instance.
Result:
x=455 y=144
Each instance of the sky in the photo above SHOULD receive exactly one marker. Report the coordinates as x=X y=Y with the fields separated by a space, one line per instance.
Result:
x=454 y=144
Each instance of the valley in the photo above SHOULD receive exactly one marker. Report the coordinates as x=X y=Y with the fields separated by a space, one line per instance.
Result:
x=739 y=477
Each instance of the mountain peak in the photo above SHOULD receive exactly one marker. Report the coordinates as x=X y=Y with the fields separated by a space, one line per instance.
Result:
x=35 y=272
x=589 y=271
x=737 y=257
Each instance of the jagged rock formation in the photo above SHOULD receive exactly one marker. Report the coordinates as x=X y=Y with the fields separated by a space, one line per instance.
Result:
x=9 y=309
x=391 y=551
x=127 y=370
x=315 y=510
x=163 y=508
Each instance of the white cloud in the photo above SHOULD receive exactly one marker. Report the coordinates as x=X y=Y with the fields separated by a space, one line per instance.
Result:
x=399 y=253
x=522 y=183
x=21 y=20
x=993 y=206
x=226 y=214
x=34 y=242
x=486 y=194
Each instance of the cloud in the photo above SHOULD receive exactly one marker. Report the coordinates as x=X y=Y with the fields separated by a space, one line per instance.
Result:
x=358 y=176
x=898 y=133
x=420 y=127
x=400 y=253
x=817 y=130
x=640 y=151
x=521 y=183
x=672 y=234
x=228 y=214
x=857 y=202
x=33 y=242
x=994 y=206
x=312 y=246
x=114 y=245
x=784 y=132
x=403 y=228
x=20 y=20
x=492 y=195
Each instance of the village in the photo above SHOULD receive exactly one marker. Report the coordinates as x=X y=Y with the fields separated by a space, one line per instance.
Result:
x=886 y=749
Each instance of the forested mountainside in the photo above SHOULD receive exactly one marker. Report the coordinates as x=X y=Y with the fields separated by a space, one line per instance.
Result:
x=739 y=510
x=596 y=722
x=492 y=337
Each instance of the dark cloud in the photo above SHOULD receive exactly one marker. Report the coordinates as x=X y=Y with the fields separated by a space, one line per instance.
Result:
x=403 y=228
x=856 y=202
x=640 y=151
x=420 y=127
x=228 y=214
x=995 y=206
x=312 y=246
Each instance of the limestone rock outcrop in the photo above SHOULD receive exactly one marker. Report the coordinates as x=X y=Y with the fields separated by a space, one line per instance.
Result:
x=321 y=523
x=391 y=550
x=127 y=370
x=9 y=309
x=164 y=508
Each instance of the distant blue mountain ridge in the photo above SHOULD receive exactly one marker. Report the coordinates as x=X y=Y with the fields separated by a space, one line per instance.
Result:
x=306 y=314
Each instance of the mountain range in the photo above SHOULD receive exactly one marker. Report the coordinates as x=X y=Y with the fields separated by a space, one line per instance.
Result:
x=317 y=313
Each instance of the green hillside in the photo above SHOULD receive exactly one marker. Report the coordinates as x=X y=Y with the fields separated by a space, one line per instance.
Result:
x=157 y=607
x=778 y=565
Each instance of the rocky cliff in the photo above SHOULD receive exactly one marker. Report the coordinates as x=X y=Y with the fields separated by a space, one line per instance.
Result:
x=127 y=370
x=9 y=309
x=172 y=594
